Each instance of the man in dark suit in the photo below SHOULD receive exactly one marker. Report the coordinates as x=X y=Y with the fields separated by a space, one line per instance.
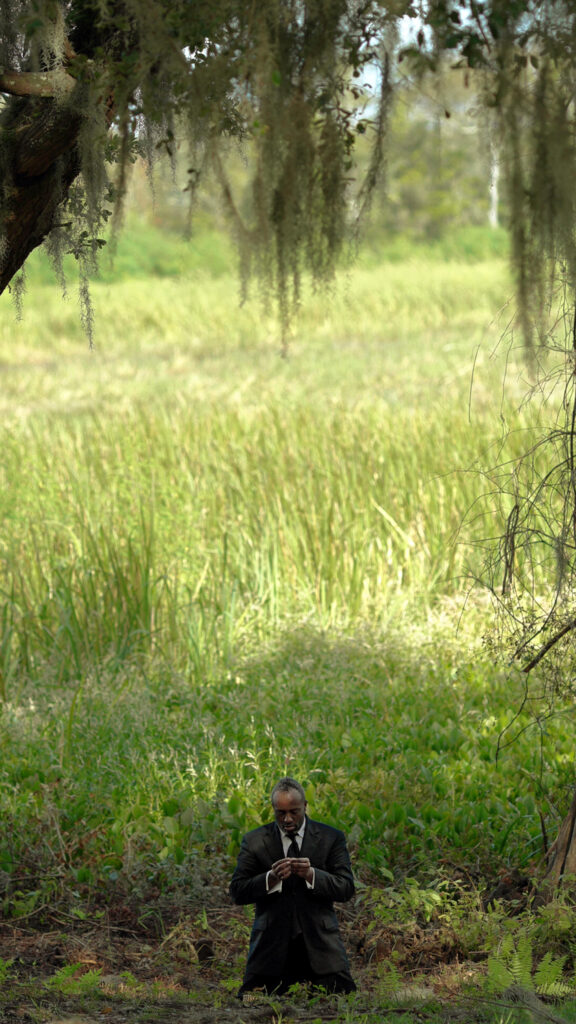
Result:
x=293 y=869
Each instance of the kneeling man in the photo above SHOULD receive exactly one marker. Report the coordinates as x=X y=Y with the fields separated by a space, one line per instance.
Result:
x=293 y=869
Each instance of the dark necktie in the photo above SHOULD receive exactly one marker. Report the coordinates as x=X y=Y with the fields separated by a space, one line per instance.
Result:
x=293 y=850
x=289 y=884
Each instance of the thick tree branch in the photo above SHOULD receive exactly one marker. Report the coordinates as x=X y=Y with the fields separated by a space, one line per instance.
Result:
x=34 y=204
x=37 y=83
x=40 y=163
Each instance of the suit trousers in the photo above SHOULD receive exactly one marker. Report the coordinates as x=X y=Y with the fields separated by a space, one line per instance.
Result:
x=297 y=970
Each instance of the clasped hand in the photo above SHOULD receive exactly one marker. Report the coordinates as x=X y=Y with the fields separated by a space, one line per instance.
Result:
x=299 y=866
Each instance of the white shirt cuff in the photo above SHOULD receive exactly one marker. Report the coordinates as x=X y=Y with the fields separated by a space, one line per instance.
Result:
x=272 y=888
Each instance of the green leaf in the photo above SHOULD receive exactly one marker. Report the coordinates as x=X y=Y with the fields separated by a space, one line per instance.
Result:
x=235 y=803
x=363 y=812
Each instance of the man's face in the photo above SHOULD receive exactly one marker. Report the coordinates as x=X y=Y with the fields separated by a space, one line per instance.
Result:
x=289 y=810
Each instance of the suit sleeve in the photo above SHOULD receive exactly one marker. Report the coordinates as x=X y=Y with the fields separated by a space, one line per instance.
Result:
x=335 y=881
x=248 y=883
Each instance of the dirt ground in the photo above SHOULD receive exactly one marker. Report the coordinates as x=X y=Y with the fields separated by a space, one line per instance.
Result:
x=190 y=975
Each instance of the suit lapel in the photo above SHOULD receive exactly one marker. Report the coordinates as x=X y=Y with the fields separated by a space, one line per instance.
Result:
x=273 y=842
x=310 y=839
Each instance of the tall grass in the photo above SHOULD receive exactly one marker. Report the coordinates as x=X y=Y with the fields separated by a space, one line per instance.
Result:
x=257 y=519
x=127 y=526
x=217 y=564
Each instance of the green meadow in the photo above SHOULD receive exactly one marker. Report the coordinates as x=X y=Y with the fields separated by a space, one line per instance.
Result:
x=220 y=564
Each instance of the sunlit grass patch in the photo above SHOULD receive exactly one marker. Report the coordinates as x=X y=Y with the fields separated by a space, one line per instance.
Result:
x=384 y=334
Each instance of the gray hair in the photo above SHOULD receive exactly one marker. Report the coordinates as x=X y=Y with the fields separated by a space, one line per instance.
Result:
x=285 y=785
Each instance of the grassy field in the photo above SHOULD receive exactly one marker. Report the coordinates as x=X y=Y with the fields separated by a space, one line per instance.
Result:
x=219 y=565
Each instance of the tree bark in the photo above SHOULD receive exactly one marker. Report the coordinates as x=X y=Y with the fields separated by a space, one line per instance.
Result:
x=562 y=854
x=40 y=161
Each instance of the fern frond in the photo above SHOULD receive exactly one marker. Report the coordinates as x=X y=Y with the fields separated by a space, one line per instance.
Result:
x=521 y=963
x=500 y=976
x=549 y=976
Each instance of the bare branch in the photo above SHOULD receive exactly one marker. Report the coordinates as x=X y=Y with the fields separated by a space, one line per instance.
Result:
x=567 y=628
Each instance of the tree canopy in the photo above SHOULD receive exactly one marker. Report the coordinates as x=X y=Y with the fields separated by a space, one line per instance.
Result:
x=88 y=84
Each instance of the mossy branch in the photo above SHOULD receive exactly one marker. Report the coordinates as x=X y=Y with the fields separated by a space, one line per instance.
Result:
x=47 y=84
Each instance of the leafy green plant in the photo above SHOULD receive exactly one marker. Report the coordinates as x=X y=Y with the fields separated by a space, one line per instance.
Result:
x=389 y=979
x=553 y=924
x=512 y=965
x=21 y=903
x=74 y=980
x=5 y=969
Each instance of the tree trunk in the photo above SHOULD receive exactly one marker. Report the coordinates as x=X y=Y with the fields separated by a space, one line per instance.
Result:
x=40 y=161
x=562 y=853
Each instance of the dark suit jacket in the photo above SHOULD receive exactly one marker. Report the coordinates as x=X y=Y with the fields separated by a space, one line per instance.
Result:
x=326 y=848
